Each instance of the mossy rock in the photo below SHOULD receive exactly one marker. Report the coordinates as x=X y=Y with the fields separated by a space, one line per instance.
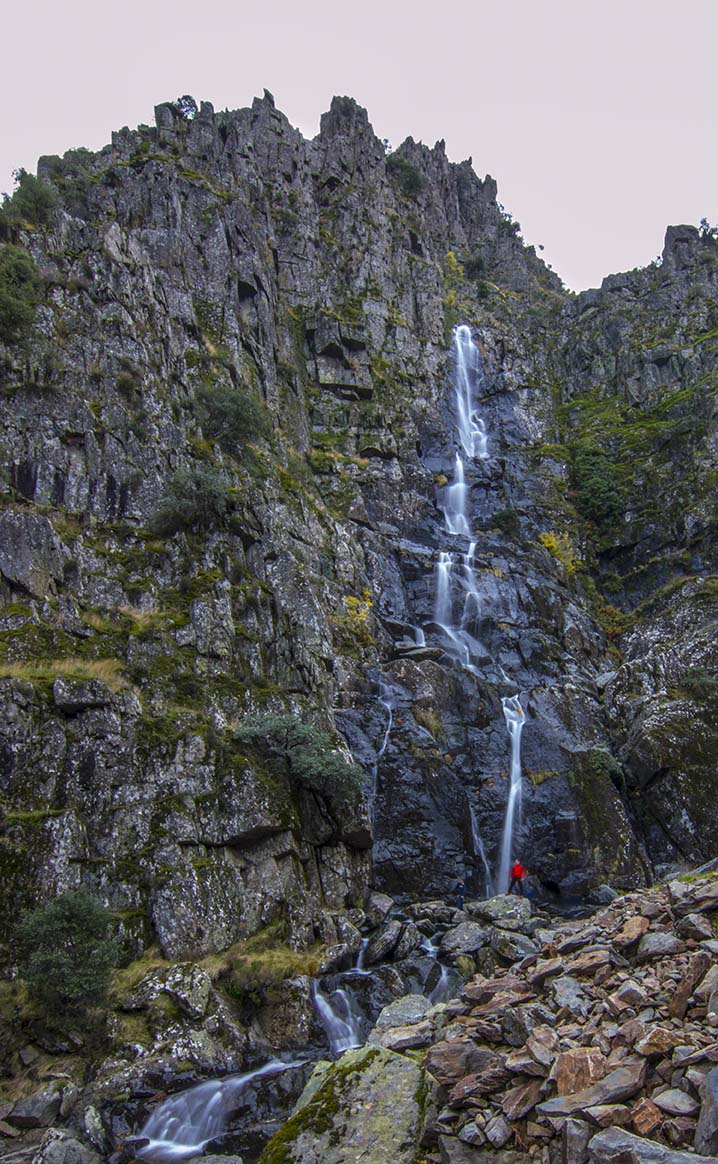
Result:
x=368 y=1106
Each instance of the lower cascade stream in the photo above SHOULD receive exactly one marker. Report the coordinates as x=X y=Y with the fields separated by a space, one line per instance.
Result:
x=185 y=1123
x=209 y=1116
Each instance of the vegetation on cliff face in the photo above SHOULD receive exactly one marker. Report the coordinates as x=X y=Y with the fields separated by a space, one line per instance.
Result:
x=66 y=954
x=225 y=404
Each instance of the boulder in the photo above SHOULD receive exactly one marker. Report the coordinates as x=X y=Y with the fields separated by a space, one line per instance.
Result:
x=695 y=926
x=518 y=1022
x=542 y=1045
x=378 y=906
x=578 y=1068
x=658 y=1041
x=403 y=1038
x=695 y=971
x=646 y=1117
x=412 y=1008
x=631 y=932
x=506 y=912
x=658 y=945
x=676 y=1102
x=367 y=1107
x=59 y=1146
x=520 y=1100
x=608 y=1115
x=617 y=1146
x=465 y=938
x=31 y=554
x=569 y=993
x=409 y=941
x=382 y=942
x=574 y=1141
x=452 y=1150
x=512 y=947
x=38 y=1110
x=706 y=1140
x=622 y=1083
x=628 y=994
x=498 y=1131
x=451 y=1060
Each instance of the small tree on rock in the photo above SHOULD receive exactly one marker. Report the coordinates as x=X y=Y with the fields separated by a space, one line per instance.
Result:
x=66 y=952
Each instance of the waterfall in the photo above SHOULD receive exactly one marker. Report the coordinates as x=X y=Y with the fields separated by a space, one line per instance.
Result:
x=359 y=967
x=386 y=702
x=480 y=852
x=339 y=1018
x=455 y=502
x=514 y=716
x=468 y=375
x=457 y=605
x=183 y=1124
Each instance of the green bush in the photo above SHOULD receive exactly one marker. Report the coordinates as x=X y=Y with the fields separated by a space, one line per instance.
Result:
x=32 y=204
x=19 y=291
x=306 y=756
x=507 y=520
x=195 y=497
x=474 y=266
x=65 y=953
x=230 y=416
x=700 y=684
x=600 y=495
x=409 y=180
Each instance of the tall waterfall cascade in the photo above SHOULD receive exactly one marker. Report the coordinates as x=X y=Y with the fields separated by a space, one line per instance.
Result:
x=457 y=596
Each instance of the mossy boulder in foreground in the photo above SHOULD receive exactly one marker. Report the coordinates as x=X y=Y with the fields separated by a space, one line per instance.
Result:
x=368 y=1106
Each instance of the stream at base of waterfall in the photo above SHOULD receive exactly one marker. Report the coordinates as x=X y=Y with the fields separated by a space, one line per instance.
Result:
x=239 y=1112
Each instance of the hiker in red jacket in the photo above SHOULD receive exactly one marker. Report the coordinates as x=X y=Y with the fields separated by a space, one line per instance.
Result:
x=518 y=872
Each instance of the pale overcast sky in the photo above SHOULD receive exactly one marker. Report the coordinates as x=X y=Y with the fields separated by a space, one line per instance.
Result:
x=598 y=120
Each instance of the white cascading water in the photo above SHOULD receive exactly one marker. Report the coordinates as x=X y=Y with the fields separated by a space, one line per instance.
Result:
x=455 y=502
x=386 y=701
x=183 y=1124
x=457 y=605
x=339 y=1018
x=480 y=852
x=514 y=716
x=468 y=372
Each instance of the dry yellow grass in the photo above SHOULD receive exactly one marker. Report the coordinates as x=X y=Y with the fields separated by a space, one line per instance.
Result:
x=144 y=619
x=107 y=671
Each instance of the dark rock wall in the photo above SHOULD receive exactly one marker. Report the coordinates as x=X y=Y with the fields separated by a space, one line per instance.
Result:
x=317 y=283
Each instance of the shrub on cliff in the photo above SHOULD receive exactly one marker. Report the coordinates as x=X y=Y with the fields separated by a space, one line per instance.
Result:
x=230 y=416
x=306 y=756
x=19 y=286
x=193 y=498
x=32 y=204
x=600 y=494
x=66 y=953
x=409 y=180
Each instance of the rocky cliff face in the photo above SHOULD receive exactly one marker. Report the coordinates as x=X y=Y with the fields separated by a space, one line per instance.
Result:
x=225 y=441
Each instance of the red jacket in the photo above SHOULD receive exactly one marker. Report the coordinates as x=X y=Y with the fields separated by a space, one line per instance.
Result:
x=518 y=870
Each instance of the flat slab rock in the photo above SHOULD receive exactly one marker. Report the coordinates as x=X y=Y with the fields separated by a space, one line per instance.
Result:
x=623 y=1083
x=616 y=1146
x=509 y=913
